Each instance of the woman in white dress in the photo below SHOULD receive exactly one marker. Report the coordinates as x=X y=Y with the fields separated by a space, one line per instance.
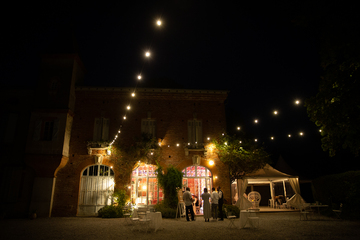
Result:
x=206 y=207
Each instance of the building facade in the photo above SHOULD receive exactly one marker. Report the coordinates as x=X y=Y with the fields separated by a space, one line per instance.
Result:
x=183 y=121
x=63 y=166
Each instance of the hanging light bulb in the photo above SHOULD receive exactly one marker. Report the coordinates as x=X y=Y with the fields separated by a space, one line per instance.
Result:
x=158 y=22
x=139 y=77
x=133 y=94
x=128 y=107
x=147 y=54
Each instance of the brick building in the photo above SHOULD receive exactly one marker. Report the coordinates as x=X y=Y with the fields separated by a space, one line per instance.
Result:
x=70 y=175
x=182 y=120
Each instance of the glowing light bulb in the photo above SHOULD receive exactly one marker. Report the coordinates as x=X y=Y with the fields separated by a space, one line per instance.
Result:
x=119 y=131
x=297 y=102
x=133 y=94
x=240 y=142
x=128 y=107
x=238 y=128
x=208 y=138
x=301 y=133
x=139 y=76
x=225 y=143
x=158 y=22
x=211 y=162
x=320 y=130
x=256 y=140
x=275 y=112
x=256 y=121
x=124 y=117
x=289 y=135
x=147 y=54
x=272 y=138
x=177 y=144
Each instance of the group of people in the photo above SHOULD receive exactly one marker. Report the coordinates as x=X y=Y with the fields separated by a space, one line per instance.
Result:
x=215 y=197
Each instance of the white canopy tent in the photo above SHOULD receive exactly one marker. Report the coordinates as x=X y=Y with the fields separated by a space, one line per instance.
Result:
x=268 y=175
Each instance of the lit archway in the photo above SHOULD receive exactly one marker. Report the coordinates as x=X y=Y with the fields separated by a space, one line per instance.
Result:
x=197 y=178
x=144 y=186
x=96 y=188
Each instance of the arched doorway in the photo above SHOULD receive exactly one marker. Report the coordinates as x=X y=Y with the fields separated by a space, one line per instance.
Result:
x=197 y=178
x=96 y=187
x=144 y=186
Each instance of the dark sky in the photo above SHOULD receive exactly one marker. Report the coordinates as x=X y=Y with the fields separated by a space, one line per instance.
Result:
x=265 y=55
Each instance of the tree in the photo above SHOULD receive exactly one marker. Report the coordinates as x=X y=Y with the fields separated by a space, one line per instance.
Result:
x=242 y=156
x=170 y=182
x=336 y=107
x=127 y=157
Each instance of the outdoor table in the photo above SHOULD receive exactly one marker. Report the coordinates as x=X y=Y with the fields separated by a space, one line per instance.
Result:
x=156 y=220
x=244 y=215
x=318 y=206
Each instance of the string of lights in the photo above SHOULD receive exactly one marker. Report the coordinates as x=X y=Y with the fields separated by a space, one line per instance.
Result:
x=139 y=77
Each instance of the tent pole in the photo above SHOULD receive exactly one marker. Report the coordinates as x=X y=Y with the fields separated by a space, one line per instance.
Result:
x=272 y=192
x=284 y=189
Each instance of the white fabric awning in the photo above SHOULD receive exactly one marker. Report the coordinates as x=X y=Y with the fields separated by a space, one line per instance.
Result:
x=266 y=175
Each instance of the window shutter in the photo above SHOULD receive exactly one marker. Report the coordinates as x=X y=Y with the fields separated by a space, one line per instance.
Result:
x=105 y=128
x=190 y=131
x=153 y=128
x=55 y=132
x=37 y=130
x=199 y=138
x=97 y=129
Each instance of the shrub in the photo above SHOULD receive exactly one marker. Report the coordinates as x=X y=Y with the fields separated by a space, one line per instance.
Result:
x=111 y=211
x=166 y=211
x=120 y=197
x=231 y=209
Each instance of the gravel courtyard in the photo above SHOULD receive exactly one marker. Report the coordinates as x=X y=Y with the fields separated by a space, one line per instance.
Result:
x=272 y=226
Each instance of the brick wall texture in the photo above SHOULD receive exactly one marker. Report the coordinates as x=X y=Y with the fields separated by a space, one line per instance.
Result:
x=170 y=108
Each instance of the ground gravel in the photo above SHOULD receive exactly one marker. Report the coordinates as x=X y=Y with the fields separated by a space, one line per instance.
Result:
x=272 y=226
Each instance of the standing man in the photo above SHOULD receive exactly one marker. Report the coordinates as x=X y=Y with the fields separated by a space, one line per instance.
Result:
x=188 y=200
x=214 y=203
x=221 y=202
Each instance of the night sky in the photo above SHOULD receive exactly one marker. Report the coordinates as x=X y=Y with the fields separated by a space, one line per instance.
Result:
x=265 y=55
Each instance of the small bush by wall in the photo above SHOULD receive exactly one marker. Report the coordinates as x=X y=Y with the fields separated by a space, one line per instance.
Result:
x=166 y=211
x=340 y=188
x=111 y=211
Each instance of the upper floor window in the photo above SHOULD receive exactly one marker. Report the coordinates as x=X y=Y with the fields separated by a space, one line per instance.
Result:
x=195 y=132
x=148 y=126
x=101 y=129
x=46 y=129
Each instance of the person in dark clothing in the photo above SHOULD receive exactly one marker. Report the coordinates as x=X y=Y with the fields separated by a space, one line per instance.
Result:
x=221 y=202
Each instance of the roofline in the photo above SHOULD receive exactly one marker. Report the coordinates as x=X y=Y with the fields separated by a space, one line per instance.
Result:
x=158 y=90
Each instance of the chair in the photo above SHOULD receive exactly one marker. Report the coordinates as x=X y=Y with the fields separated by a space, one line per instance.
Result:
x=254 y=219
x=127 y=214
x=143 y=217
x=254 y=197
x=304 y=211
x=231 y=218
x=338 y=212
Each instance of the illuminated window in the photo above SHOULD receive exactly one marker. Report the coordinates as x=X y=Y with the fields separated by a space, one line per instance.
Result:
x=144 y=186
